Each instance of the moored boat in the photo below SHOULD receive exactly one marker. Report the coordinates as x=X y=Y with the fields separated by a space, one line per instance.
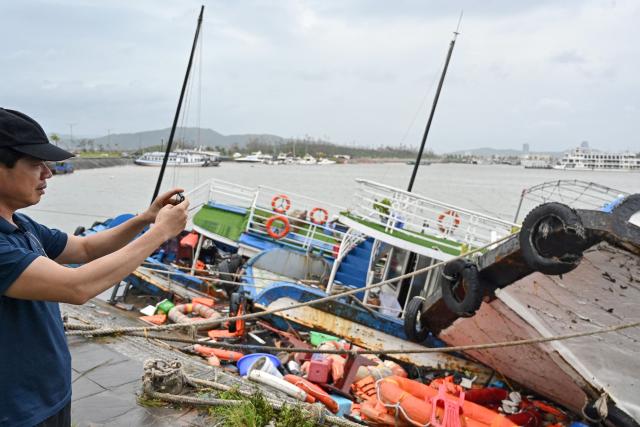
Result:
x=176 y=159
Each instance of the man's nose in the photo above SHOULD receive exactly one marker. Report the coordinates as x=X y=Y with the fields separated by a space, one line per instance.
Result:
x=46 y=172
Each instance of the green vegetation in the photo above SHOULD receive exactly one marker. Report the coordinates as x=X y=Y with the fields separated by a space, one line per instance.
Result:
x=101 y=154
x=255 y=411
x=320 y=148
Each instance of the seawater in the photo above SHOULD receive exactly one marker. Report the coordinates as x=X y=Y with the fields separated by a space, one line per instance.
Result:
x=96 y=194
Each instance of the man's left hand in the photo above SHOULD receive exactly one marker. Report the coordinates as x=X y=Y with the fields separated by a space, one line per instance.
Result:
x=168 y=198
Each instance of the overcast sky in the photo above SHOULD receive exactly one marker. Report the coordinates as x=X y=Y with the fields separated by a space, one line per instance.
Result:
x=547 y=73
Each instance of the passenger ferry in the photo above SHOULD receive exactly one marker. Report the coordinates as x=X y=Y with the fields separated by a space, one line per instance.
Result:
x=583 y=158
x=177 y=158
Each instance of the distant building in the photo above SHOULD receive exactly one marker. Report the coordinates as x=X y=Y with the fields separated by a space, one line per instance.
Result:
x=584 y=144
x=525 y=149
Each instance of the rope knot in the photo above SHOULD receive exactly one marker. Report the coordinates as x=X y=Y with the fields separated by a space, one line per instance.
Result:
x=163 y=376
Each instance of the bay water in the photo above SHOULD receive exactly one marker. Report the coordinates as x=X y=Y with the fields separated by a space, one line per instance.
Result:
x=90 y=195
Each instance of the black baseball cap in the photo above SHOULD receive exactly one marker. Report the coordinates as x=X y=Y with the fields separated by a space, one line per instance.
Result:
x=23 y=134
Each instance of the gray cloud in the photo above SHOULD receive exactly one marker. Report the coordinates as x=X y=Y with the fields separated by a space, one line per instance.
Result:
x=548 y=73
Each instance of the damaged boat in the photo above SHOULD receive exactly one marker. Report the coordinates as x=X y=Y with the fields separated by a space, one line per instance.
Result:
x=572 y=266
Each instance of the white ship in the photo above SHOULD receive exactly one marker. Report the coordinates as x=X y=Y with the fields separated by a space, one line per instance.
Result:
x=176 y=158
x=584 y=158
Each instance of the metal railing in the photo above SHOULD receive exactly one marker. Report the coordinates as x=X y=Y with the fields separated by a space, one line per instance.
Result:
x=575 y=193
x=424 y=220
x=217 y=191
x=319 y=236
x=350 y=240
x=304 y=234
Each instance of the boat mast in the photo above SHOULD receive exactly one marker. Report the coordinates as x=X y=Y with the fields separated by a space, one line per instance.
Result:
x=175 y=118
x=433 y=107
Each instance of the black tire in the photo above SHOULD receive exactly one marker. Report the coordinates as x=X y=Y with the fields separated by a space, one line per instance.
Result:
x=414 y=328
x=461 y=288
x=554 y=256
x=79 y=231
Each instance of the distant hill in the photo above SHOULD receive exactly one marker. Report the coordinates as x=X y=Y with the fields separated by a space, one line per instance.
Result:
x=184 y=137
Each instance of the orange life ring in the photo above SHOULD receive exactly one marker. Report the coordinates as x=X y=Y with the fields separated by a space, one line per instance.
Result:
x=313 y=390
x=443 y=215
x=284 y=231
x=323 y=220
x=179 y=313
x=281 y=203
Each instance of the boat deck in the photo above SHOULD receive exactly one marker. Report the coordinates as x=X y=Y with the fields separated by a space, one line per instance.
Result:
x=424 y=244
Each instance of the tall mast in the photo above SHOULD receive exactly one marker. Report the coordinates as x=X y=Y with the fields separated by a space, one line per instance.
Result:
x=433 y=107
x=175 y=118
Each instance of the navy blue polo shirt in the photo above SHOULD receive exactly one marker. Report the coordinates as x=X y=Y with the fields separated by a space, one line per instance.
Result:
x=35 y=365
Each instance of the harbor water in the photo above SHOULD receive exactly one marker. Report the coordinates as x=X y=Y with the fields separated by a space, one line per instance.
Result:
x=86 y=196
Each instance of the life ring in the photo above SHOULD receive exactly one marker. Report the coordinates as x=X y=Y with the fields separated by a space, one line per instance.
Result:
x=284 y=231
x=455 y=224
x=281 y=203
x=322 y=220
x=179 y=313
x=314 y=391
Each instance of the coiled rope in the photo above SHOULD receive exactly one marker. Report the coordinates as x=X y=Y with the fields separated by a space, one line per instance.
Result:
x=170 y=378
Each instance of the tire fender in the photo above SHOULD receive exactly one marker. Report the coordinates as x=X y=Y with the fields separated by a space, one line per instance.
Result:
x=538 y=224
x=461 y=273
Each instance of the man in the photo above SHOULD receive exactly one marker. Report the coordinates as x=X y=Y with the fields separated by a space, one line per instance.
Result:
x=35 y=365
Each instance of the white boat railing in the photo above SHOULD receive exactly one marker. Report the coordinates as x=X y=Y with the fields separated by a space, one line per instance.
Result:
x=424 y=220
x=573 y=192
x=319 y=236
x=217 y=191
x=350 y=240
x=304 y=234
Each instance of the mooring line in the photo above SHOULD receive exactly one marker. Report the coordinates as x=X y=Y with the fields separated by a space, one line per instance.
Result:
x=211 y=323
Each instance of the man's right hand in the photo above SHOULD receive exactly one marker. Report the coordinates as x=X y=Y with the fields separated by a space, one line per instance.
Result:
x=172 y=219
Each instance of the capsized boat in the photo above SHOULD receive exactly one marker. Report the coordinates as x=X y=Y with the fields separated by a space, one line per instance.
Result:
x=388 y=232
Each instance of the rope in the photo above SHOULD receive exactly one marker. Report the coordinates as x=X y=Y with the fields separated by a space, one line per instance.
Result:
x=169 y=376
x=216 y=280
x=484 y=346
x=212 y=323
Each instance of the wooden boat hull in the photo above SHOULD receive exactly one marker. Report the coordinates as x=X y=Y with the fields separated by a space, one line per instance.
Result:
x=603 y=291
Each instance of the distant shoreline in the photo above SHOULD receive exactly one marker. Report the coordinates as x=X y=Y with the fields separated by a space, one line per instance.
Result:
x=98 y=162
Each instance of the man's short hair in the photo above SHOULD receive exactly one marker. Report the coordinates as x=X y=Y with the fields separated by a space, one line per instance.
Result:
x=9 y=157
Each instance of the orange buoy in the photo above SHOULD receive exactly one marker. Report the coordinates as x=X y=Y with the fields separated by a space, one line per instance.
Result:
x=220 y=353
x=156 y=319
x=313 y=390
x=209 y=302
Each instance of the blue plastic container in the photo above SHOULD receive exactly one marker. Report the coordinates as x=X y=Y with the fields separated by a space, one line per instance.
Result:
x=245 y=362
